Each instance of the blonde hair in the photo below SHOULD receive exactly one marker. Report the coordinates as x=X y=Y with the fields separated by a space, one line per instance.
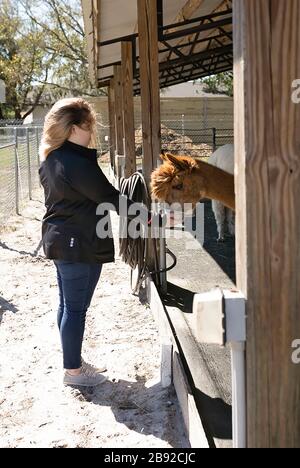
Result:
x=60 y=119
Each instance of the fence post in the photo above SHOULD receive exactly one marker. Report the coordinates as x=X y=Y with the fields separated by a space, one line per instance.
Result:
x=182 y=128
x=37 y=151
x=214 y=131
x=205 y=123
x=29 y=164
x=16 y=171
x=37 y=144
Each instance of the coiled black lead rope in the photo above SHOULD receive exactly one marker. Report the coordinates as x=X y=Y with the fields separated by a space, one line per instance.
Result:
x=139 y=253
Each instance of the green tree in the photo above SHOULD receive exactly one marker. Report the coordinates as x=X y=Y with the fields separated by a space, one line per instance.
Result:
x=21 y=60
x=218 y=84
x=42 y=53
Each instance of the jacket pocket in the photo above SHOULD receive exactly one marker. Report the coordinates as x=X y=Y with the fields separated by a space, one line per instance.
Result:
x=70 y=239
x=62 y=242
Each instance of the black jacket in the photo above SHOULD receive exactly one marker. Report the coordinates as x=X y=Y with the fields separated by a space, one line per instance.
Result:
x=74 y=186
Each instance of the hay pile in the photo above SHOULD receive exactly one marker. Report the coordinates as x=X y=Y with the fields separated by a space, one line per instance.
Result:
x=171 y=142
x=175 y=143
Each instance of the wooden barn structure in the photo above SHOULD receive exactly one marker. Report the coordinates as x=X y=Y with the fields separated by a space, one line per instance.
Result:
x=139 y=46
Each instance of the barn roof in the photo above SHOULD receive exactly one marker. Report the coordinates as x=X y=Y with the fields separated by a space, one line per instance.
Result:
x=195 y=38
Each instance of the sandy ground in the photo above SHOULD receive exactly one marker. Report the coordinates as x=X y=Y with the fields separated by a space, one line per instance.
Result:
x=129 y=410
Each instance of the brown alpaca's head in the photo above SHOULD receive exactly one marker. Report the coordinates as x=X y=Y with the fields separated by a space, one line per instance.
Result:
x=177 y=180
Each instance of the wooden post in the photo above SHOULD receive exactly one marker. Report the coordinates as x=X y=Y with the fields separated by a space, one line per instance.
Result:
x=119 y=116
x=112 y=122
x=128 y=109
x=267 y=151
x=149 y=74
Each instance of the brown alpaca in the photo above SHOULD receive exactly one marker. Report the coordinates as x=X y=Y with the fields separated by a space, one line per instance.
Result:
x=183 y=179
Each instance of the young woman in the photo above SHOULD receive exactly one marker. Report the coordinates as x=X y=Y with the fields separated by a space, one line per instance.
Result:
x=74 y=186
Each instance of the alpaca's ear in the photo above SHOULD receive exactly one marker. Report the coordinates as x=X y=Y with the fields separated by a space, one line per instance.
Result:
x=163 y=156
x=181 y=163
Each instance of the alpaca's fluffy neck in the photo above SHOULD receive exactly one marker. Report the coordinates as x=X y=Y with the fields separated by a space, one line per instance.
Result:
x=219 y=184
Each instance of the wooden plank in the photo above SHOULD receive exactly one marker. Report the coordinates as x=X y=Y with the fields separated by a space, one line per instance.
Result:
x=192 y=420
x=150 y=93
x=175 y=371
x=128 y=109
x=266 y=57
x=193 y=8
x=91 y=14
x=209 y=392
x=119 y=110
x=190 y=8
x=209 y=365
x=112 y=122
x=201 y=360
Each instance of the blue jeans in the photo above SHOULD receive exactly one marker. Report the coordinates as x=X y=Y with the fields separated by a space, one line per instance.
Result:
x=77 y=283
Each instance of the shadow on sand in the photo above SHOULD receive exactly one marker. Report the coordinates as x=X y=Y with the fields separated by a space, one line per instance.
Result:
x=134 y=404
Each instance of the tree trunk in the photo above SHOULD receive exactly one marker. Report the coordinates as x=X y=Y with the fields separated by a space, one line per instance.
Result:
x=18 y=113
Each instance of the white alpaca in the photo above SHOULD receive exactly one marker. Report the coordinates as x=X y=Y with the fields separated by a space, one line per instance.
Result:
x=223 y=158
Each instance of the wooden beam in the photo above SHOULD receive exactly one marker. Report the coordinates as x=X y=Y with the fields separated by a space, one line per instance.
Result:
x=267 y=122
x=150 y=93
x=128 y=109
x=119 y=110
x=91 y=18
x=188 y=10
x=112 y=122
x=171 y=366
x=192 y=8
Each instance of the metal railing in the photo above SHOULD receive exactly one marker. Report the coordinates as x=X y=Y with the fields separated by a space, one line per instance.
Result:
x=19 y=164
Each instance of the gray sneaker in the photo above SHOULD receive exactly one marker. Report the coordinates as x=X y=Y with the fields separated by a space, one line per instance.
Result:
x=95 y=369
x=87 y=378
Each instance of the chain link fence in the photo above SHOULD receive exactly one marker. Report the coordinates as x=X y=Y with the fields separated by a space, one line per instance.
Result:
x=224 y=136
x=185 y=137
x=20 y=122
x=178 y=137
x=19 y=159
x=19 y=164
